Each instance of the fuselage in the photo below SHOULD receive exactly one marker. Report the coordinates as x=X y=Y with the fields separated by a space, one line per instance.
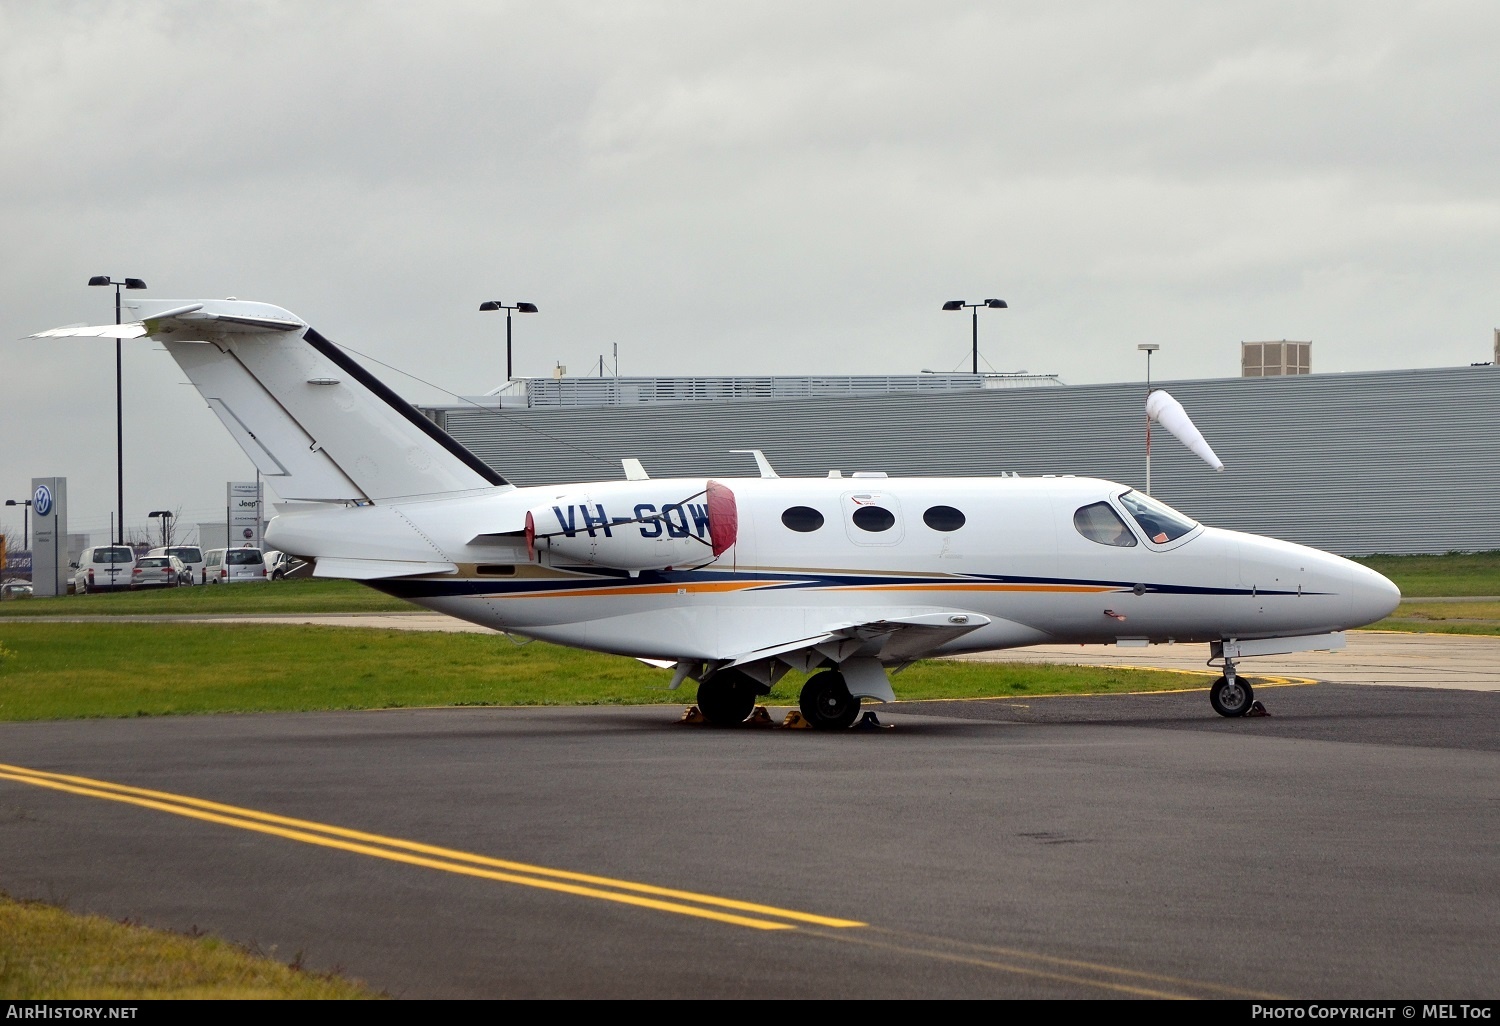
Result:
x=1042 y=558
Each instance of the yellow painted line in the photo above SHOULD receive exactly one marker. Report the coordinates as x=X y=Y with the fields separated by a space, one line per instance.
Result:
x=1266 y=682
x=1109 y=978
x=428 y=856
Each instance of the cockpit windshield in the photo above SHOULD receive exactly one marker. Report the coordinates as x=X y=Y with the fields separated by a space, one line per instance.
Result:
x=1161 y=522
x=1098 y=522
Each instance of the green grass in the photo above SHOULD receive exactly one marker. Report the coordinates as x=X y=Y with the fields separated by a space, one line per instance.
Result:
x=299 y=595
x=49 y=954
x=1443 y=618
x=1455 y=573
x=103 y=669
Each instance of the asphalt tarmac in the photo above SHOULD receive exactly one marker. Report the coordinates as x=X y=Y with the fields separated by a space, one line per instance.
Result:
x=1131 y=846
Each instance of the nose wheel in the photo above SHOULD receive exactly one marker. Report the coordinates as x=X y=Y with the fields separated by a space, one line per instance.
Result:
x=1231 y=694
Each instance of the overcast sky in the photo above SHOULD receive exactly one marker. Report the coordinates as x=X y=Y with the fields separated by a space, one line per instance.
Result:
x=720 y=188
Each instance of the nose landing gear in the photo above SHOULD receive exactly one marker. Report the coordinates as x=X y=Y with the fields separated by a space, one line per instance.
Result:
x=1231 y=694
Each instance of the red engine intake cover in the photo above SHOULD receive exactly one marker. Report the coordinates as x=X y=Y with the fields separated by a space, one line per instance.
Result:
x=723 y=517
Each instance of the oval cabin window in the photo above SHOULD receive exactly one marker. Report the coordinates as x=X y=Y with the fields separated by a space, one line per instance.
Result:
x=802 y=518
x=943 y=518
x=874 y=519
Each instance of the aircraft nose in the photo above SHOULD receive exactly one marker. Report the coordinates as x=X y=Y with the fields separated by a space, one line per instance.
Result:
x=1372 y=596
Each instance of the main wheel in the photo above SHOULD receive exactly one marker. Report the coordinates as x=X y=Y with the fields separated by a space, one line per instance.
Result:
x=826 y=703
x=726 y=699
x=1231 y=697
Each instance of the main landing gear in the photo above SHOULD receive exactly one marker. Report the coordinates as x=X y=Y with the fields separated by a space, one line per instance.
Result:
x=728 y=697
x=1231 y=694
x=826 y=703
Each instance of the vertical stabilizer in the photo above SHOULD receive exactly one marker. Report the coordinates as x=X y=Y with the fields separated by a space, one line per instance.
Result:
x=316 y=424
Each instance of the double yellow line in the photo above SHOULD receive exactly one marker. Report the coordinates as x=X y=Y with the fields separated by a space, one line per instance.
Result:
x=448 y=860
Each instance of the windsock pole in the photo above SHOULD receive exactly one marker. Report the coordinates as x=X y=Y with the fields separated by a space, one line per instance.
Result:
x=1148 y=348
x=1148 y=454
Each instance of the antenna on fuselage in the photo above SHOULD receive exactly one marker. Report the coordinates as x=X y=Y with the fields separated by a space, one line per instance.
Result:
x=766 y=470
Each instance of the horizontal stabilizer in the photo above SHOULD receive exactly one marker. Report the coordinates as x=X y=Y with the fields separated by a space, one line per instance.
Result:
x=135 y=329
x=377 y=569
x=316 y=424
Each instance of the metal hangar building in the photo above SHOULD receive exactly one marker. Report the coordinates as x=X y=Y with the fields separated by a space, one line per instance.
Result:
x=1355 y=463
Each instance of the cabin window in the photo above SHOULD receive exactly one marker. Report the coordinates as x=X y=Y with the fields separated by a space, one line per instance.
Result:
x=943 y=518
x=1100 y=523
x=874 y=519
x=804 y=519
x=1161 y=522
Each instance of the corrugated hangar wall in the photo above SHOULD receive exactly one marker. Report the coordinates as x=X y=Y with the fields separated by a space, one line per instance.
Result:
x=1390 y=461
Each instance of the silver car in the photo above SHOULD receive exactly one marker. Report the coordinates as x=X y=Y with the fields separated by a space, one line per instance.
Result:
x=192 y=555
x=159 y=572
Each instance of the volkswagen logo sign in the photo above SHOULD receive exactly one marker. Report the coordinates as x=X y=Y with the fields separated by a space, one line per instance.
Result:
x=42 y=500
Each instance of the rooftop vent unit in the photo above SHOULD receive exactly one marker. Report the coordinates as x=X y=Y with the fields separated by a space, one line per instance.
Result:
x=1274 y=359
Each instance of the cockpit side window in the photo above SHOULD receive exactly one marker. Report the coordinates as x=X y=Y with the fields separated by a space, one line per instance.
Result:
x=1100 y=523
x=1161 y=522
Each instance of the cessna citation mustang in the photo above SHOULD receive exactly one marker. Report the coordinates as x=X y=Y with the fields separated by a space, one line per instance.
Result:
x=733 y=582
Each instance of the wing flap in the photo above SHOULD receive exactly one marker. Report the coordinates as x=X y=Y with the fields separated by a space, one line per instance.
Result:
x=896 y=639
x=376 y=569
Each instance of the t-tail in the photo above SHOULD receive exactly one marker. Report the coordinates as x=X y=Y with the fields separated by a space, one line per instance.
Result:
x=317 y=425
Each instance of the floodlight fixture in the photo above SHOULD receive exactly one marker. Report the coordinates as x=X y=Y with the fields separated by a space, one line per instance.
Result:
x=990 y=304
x=165 y=515
x=129 y=283
x=495 y=304
x=25 y=521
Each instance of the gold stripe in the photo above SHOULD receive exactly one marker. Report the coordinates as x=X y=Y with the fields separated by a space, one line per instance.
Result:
x=691 y=588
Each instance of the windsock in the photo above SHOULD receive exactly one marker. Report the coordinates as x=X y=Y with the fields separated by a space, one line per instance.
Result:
x=1168 y=412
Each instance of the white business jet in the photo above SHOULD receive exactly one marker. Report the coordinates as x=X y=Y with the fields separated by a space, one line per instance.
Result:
x=733 y=582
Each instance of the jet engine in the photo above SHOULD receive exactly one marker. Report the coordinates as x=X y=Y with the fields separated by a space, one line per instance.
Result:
x=624 y=534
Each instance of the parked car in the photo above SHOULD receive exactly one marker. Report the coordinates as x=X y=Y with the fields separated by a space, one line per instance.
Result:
x=279 y=565
x=102 y=568
x=159 y=572
x=192 y=555
x=233 y=566
x=15 y=588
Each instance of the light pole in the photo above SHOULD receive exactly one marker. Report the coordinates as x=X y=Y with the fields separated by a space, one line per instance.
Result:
x=959 y=304
x=1148 y=348
x=495 y=304
x=25 y=521
x=166 y=525
x=129 y=283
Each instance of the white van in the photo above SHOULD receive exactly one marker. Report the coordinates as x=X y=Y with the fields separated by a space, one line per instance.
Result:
x=102 y=568
x=234 y=566
x=191 y=556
